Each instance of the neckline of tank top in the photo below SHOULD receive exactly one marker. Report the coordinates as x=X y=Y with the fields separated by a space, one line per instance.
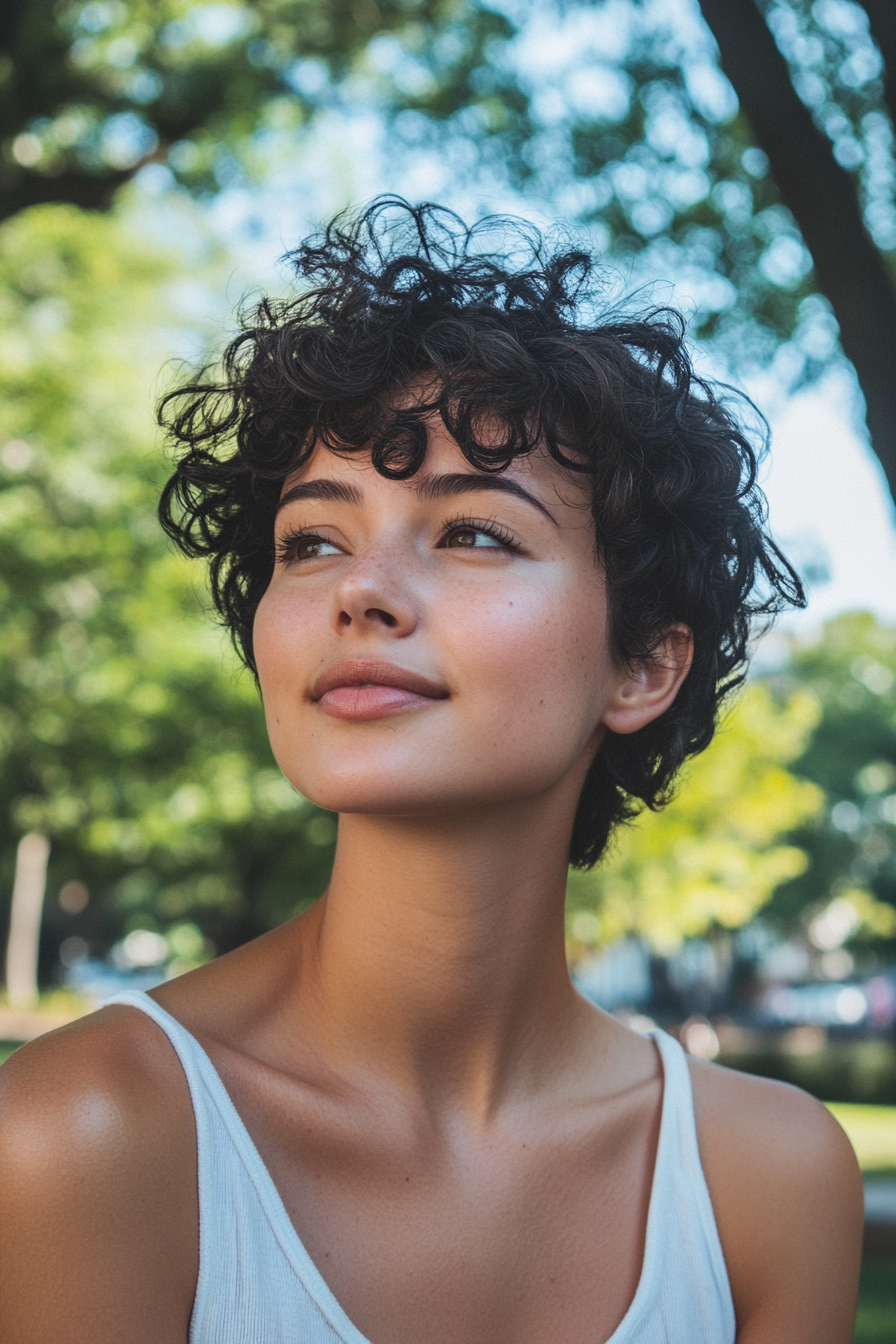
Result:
x=676 y=1089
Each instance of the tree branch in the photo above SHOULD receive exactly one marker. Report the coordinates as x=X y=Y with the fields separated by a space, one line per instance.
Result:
x=20 y=190
x=882 y=21
x=820 y=194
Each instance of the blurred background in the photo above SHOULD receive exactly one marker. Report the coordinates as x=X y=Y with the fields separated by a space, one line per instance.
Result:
x=732 y=157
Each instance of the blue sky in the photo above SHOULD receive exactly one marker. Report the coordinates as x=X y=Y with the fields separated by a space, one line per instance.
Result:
x=825 y=488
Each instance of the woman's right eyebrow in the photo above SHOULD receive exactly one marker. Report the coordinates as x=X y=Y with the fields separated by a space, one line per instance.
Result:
x=335 y=492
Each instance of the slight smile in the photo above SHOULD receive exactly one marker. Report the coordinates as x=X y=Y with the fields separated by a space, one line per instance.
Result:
x=372 y=689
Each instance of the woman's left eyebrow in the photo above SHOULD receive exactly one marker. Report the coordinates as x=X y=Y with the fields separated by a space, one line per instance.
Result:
x=468 y=482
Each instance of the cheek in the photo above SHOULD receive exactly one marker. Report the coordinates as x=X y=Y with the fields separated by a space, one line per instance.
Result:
x=286 y=642
x=538 y=657
x=266 y=639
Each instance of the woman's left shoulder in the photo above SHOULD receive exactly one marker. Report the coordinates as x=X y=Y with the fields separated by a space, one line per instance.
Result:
x=787 y=1194
x=741 y=1117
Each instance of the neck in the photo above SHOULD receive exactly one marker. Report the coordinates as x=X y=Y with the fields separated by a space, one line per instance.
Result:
x=438 y=951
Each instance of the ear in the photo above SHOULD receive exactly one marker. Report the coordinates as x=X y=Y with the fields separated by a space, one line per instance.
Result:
x=647 y=689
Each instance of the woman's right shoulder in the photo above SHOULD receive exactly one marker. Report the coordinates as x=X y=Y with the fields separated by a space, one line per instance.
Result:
x=97 y=1181
x=90 y=1081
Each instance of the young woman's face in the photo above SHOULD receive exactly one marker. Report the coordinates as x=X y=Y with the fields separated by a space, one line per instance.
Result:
x=437 y=643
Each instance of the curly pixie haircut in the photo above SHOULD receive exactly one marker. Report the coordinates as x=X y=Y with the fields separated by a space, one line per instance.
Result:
x=508 y=345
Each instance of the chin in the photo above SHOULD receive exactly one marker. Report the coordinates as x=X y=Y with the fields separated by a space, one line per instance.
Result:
x=409 y=792
x=378 y=795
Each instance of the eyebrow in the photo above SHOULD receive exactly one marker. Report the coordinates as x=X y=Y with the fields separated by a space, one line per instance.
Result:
x=427 y=487
x=334 y=492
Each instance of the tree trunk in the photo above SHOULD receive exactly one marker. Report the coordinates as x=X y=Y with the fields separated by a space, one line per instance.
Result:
x=849 y=269
x=24 y=921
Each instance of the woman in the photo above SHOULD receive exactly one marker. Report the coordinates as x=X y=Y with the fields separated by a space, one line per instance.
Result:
x=494 y=566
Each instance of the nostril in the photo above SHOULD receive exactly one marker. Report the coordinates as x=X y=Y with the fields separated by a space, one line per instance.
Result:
x=377 y=614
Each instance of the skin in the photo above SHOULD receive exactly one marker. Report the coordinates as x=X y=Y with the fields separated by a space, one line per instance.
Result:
x=464 y=1145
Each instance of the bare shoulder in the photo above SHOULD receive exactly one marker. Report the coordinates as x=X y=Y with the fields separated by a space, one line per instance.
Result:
x=781 y=1128
x=97 y=1184
x=788 y=1201
x=87 y=1090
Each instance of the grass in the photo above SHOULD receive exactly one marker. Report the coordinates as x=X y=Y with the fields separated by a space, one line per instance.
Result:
x=876 y=1316
x=872 y=1132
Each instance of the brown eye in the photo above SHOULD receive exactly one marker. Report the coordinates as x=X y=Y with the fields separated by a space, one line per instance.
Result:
x=472 y=538
x=305 y=546
x=312 y=548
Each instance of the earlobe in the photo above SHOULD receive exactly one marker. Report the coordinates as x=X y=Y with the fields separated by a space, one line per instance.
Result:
x=646 y=690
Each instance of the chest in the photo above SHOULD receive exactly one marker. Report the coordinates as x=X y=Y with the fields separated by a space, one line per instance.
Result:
x=532 y=1229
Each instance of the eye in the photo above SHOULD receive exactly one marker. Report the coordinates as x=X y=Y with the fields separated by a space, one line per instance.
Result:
x=465 y=534
x=297 y=546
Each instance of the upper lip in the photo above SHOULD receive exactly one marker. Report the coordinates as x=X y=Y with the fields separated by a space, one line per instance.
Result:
x=375 y=672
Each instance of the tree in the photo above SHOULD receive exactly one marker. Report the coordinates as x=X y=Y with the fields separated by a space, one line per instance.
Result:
x=91 y=90
x=614 y=110
x=717 y=852
x=851 y=844
x=761 y=194
x=127 y=734
x=819 y=190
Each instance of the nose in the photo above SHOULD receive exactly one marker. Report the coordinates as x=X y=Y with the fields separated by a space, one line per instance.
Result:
x=374 y=594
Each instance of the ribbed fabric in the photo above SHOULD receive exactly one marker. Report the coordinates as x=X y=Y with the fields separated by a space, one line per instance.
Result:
x=258 y=1285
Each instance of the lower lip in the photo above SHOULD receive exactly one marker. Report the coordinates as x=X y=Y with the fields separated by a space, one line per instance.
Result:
x=370 y=702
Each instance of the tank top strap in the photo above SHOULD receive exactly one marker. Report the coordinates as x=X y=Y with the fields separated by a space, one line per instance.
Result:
x=678 y=1098
x=208 y=1095
x=202 y=1077
x=216 y=1115
x=257 y=1283
x=686 y=1181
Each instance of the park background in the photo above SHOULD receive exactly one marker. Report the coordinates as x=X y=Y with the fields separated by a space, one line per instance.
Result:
x=732 y=157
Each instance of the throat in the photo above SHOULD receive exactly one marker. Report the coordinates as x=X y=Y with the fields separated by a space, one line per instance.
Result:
x=443 y=960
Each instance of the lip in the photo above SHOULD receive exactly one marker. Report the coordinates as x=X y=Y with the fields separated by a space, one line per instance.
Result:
x=372 y=688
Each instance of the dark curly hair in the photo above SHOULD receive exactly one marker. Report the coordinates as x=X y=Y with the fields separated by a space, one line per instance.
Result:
x=510 y=334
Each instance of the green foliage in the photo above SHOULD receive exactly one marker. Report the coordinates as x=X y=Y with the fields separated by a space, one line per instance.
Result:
x=841 y=1071
x=851 y=669
x=127 y=733
x=715 y=854
x=647 y=142
x=92 y=89
x=615 y=111
x=791 y=810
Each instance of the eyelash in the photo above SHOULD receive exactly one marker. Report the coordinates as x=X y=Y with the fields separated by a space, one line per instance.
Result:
x=490 y=528
x=286 y=546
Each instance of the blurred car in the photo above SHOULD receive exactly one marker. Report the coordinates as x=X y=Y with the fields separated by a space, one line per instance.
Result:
x=822 y=1005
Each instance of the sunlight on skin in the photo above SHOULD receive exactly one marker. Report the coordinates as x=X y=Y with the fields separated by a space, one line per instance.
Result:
x=484 y=612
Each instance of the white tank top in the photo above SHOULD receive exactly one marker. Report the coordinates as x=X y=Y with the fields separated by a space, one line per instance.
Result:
x=258 y=1285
